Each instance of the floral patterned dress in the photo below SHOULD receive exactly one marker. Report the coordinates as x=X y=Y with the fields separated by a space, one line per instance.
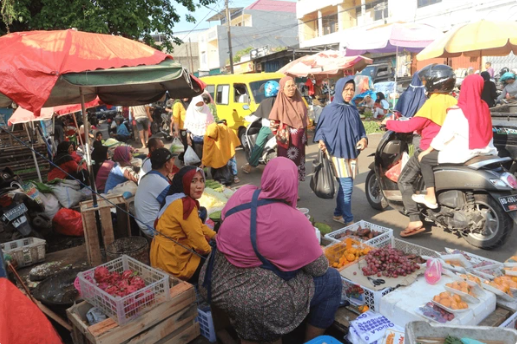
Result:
x=295 y=149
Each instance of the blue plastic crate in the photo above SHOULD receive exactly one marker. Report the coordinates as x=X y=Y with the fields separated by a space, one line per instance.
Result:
x=206 y=323
x=324 y=340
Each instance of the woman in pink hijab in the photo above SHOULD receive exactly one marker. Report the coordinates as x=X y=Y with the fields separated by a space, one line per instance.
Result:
x=268 y=271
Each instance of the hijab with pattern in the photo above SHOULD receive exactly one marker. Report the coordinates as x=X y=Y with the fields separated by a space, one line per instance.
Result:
x=289 y=110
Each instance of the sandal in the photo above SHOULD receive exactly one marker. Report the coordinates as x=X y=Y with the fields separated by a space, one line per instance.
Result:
x=246 y=168
x=411 y=232
x=236 y=180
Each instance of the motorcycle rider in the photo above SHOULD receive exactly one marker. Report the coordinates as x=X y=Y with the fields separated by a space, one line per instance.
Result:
x=439 y=81
x=270 y=91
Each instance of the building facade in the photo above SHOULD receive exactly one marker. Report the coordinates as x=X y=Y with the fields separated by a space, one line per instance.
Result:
x=270 y=23
x=329 y=22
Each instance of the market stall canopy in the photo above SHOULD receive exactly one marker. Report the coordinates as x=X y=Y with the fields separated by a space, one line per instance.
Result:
x=48 y=68
x=481 y=38
x=329 y=62
x=23 y=116
x=389 y=38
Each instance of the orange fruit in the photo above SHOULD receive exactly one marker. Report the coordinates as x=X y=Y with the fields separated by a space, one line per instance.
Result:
x=444 y=294
x=457 y=298
x=446 y=302
x=436 y=298
x=463 y=305
x=350 y=257
x=454 y=305
x=465 y=290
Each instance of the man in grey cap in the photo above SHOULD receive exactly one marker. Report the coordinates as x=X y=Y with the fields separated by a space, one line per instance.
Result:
x=152 y=189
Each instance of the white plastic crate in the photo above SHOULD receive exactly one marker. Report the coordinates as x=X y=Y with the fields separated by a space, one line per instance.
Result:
x=370 y=297
x=384 y=239
x=410 y=248
x=206 y=323
x=25 y=252
x=124 y=309
x=510 y=322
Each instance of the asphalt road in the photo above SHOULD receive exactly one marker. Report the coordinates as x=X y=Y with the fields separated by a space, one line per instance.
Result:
x=322 y=210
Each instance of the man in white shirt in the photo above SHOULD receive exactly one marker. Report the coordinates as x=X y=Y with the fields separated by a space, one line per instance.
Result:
x=152 y=190
x=153 y=144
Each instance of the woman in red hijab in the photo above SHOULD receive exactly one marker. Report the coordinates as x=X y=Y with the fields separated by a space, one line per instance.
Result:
x=465 y=134
x=179 y=220
x=289 y=124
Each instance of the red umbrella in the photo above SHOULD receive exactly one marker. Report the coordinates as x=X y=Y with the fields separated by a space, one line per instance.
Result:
x=23 y=116
x=33 y=61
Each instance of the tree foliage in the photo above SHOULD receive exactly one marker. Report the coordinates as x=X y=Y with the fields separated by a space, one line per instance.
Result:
x=135 y=19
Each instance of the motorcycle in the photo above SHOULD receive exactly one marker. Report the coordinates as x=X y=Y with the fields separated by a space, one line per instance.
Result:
x=249 y=137
x=16 y=207
x=161 y=126
x=477 y=200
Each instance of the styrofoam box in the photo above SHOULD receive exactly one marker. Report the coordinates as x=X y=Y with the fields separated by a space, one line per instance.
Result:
x=401 y=304
x=26 y=251
x=418 y=329
x=206 y=323
x=384 y=239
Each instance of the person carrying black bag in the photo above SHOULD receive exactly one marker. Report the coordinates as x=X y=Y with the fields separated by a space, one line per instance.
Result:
x=341 y=134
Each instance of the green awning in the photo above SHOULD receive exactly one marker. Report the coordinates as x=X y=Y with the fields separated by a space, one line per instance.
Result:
x=128 y=86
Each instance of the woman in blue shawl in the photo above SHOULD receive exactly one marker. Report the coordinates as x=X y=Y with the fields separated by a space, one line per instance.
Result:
x=341 y=134
x=412 y=99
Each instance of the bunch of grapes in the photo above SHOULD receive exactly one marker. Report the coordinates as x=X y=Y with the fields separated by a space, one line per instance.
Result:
x=388 y=262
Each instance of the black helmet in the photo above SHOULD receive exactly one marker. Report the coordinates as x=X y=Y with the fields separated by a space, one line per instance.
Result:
x=438 y=78
x=504 y=70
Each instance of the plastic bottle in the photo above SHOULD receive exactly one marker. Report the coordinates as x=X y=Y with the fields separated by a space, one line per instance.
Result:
x=433 y=273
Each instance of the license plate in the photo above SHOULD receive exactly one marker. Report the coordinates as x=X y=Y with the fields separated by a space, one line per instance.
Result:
x=15 y=212
x=509 y=203
x=19 y=221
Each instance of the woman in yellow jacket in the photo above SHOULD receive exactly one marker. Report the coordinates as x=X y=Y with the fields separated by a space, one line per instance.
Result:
x=181 y=232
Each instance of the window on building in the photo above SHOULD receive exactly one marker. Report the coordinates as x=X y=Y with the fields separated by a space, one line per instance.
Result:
x=423 y=3
x=380 y=10
x=329 y=23
x=222 y=96
x=241 y=94
x=210 y=89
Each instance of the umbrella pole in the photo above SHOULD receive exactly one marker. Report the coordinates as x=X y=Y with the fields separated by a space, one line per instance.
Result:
x=33 y=154
x=87 y=146
x=396 y=68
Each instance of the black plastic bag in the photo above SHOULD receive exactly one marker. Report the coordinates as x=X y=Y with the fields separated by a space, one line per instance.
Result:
x=322 y=181
x=223 y=175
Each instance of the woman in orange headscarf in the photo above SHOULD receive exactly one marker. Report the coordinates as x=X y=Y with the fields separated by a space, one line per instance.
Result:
x=289 y=124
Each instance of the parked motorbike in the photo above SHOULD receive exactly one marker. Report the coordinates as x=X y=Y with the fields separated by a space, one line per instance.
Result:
x=162 y=123
x=249 y=137
x=477 y=200
x=16 y=206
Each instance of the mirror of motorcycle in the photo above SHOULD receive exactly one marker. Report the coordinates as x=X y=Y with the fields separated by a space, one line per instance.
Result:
x=246 y=107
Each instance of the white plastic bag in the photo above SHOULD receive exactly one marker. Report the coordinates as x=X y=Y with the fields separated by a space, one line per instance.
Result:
x=191 y=157
x=177 y=146
x=51 y=204
x=67 y=194
x=129 y=186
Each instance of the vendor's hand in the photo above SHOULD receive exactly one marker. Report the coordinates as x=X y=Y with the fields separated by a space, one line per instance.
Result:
x=362 y=144
x=175 y=133
x=189 y=141
x=424 y=153
x=322 y=146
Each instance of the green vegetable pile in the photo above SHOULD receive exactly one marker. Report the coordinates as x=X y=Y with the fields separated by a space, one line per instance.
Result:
x=324 y=228
x=452 y=340
x=212 y=184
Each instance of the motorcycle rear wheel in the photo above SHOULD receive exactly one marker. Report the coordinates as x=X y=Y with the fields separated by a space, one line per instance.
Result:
x=499 y=224
x=373 y=192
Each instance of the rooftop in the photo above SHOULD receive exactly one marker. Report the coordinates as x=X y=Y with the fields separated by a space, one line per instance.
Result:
x=273 y=6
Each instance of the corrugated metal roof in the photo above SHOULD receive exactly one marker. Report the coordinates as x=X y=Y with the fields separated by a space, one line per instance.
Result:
x=273 y=6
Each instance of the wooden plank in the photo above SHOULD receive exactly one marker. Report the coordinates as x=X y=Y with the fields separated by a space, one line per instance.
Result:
x=91 y=237
x=496 y=318
x=185 y=334
x=166 y=327
x=123 y=222
x=107 y=226
x=75 y=314
x=108 y=331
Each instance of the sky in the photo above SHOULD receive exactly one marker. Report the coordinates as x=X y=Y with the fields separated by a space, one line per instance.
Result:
x=183 y=28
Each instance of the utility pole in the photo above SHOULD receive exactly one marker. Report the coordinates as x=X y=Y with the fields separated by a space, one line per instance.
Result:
x=229 y=35
x=191 y=57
